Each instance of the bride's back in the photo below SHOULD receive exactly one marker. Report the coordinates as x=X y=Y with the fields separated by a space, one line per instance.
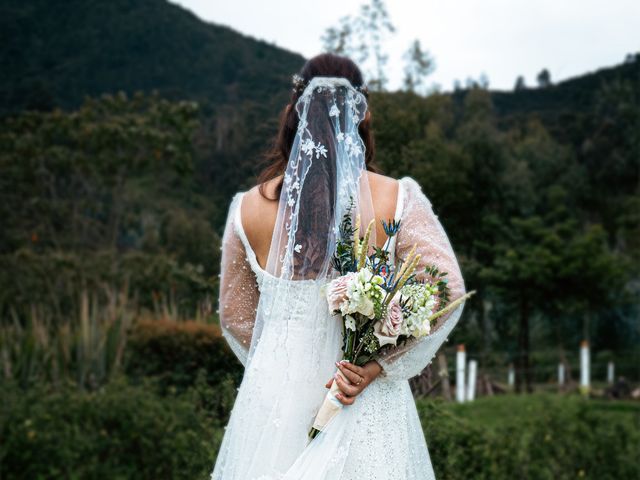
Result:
x=258 y=213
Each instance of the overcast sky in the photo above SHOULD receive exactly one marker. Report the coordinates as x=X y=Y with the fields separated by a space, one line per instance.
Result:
x=500 y=38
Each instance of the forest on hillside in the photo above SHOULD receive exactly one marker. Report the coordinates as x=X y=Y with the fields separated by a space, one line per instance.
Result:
x=54 y=57
x=124 y=195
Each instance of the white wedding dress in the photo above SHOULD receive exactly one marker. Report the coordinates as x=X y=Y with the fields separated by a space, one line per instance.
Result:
x=378 y=437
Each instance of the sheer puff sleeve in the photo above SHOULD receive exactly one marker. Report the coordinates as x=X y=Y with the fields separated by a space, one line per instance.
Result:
x=239 y=293
x=420 y=226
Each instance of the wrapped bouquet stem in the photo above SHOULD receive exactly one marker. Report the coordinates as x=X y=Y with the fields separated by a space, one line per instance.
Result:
x=331 y=406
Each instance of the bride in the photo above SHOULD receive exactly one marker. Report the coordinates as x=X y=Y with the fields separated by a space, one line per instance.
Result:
x=277 y=247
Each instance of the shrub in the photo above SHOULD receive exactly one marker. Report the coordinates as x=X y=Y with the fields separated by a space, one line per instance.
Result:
x=117 y=432
x=173 y=352
x=537 y=437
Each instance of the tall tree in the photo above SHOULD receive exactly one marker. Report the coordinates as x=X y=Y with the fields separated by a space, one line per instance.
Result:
x=362 y=37
x=418 y=65
x=544 y=78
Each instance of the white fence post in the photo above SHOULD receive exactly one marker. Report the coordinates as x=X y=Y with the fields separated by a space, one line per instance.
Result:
x=471 y=381
x=511 y=376
x=585 y=374
x=460 y=365
x=561 y=374
x=610 y=372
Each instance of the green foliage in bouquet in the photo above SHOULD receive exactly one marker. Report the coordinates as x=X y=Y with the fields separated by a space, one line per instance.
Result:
x=344 y=259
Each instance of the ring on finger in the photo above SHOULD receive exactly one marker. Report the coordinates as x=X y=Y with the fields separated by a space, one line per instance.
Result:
x=360 y=381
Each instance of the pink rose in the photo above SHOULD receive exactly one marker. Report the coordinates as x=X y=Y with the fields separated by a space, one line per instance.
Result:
x=388 y=329
x=337 y=292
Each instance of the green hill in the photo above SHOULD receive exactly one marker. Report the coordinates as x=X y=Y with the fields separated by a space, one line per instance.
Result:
x=563 y=106
x=574 y=94
x=55 y=55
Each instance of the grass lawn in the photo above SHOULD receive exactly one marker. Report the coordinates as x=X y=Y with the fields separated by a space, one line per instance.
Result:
x=538 y=436
x=509 y=410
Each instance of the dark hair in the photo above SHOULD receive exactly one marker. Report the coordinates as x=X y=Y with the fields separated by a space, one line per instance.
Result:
x=323 y=65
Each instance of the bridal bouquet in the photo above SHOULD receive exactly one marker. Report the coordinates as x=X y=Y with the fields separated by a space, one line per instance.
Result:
x=381 y=305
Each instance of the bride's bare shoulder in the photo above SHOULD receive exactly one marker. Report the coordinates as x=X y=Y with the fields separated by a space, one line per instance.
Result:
x=259 y=208
x=384 y=192
x=258 y=213
x=382 y=181
x=383 y=188
x=269 y=193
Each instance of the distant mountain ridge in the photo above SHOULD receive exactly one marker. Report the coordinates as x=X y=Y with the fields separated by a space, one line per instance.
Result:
x=574 y=93
x=55 y=55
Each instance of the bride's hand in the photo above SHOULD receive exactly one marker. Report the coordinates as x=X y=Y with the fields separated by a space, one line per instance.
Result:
x=357 y=379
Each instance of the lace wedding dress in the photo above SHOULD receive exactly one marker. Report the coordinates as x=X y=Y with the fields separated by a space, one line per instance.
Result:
x=378 y=437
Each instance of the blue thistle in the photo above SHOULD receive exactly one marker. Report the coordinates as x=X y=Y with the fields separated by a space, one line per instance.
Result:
x=391 y=227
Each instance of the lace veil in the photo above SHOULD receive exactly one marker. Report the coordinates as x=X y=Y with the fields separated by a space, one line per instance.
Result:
x=324 y=178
